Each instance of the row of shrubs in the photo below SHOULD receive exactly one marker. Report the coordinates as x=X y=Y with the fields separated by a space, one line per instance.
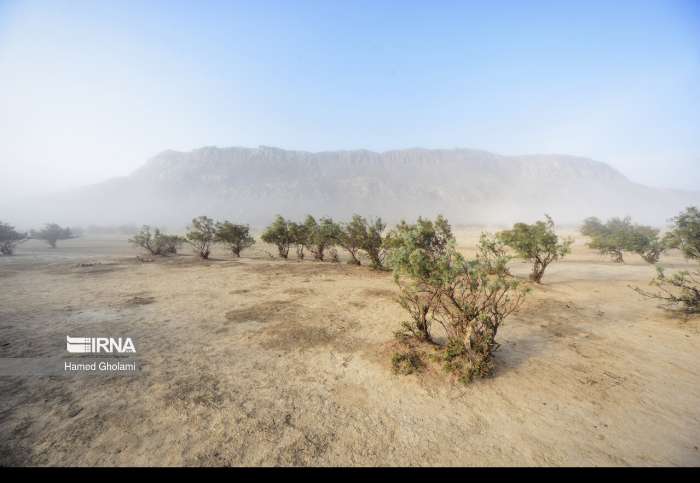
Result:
x=51 y=233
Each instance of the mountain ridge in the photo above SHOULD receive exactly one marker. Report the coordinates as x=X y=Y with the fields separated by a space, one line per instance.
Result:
x=468 y=186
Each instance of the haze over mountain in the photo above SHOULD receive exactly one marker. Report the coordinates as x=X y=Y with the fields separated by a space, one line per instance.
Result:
x=251 y=185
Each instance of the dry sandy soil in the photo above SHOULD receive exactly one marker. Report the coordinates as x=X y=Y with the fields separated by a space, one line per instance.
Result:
x=266 y=362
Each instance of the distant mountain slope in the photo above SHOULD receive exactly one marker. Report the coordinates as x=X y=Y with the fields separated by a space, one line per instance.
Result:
x=468 y=186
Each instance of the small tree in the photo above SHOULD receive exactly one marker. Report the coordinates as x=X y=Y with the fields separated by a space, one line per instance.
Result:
x=352 y=236
x=374 y=244
x=9 y=238
x=492 y=255
x=536 y=243
x=681 y=289
x=51 y=233
x=463 y=297
x=685 y=233
x=299 y=237
x=237 y=237
x=418 y=256
x=321 y=235
x=619 y=235
x=201 y=234
x=278 y=234
x=156 y=243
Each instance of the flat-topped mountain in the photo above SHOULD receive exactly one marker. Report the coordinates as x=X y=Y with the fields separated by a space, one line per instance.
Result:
x=251 y=185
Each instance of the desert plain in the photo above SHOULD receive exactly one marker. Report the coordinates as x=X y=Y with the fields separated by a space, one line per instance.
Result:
x=260 y=361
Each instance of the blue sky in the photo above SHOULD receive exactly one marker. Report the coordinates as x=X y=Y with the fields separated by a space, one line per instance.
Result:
x=90 y=90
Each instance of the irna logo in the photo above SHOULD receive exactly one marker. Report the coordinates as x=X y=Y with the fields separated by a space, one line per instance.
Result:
x=96 y=345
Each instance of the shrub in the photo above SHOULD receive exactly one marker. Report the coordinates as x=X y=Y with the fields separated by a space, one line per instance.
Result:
x=619 y=235
x=467 y=299
x=680 y=290
x=406 y=362
x=536 y=243
x=201 y=234
x=471 y=308
x=492 y=255
x=278 y=234
x=52 y=233
x=9 y=238
x=299 y=237
x=685 y=233
x=237 y=237
x=419 y=255
x=374 y=244
x=321 y=235
x=156 y=243
x=351 y=236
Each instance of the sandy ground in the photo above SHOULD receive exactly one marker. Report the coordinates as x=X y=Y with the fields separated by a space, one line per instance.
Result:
x=265 y=362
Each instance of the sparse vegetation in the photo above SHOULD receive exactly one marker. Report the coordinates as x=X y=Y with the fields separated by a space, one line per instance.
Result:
x=321 y=235
x=9 y=238
x=52 y=233
x=299 y=235
x=406 y=362
x=236 y=237
x=201 y=234
x=685 y=233
x=438 y=285
x=492 y=255
x=682 y=288
x=619 y=235
x=351 y=237
x=278 y=234
x=156 y=243
x=536 y=243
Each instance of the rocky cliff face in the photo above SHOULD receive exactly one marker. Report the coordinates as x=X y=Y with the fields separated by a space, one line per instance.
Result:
x=468 y=186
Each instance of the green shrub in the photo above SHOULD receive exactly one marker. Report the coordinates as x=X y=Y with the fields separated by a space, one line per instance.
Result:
x=685 y=233
x=322 y=235
x=467 y=299
x=201 y=234
x=278 y=234
x=679 y=291
x=536 y=243
x=619 y=235
x=299 y=237
x=156 y=243
x=236 y=237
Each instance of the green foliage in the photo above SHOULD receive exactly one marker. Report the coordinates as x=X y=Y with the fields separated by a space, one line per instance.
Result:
x=374 y=244
x=237 y=237
x=619 y=235
x=360 y=235
x=492 y=255
x=680 y=290
x=321 y=235
x=201 y=234
x=52 y=233
x=352 y=236
x=156 y=243
x=685 y=233
x=9 y=238
x=278 y=234
x=299 y=237
x=537 y=243
x=468 y=299
x=421 y=256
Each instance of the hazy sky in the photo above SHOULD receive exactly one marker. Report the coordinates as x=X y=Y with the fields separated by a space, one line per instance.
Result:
x=90 y=90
